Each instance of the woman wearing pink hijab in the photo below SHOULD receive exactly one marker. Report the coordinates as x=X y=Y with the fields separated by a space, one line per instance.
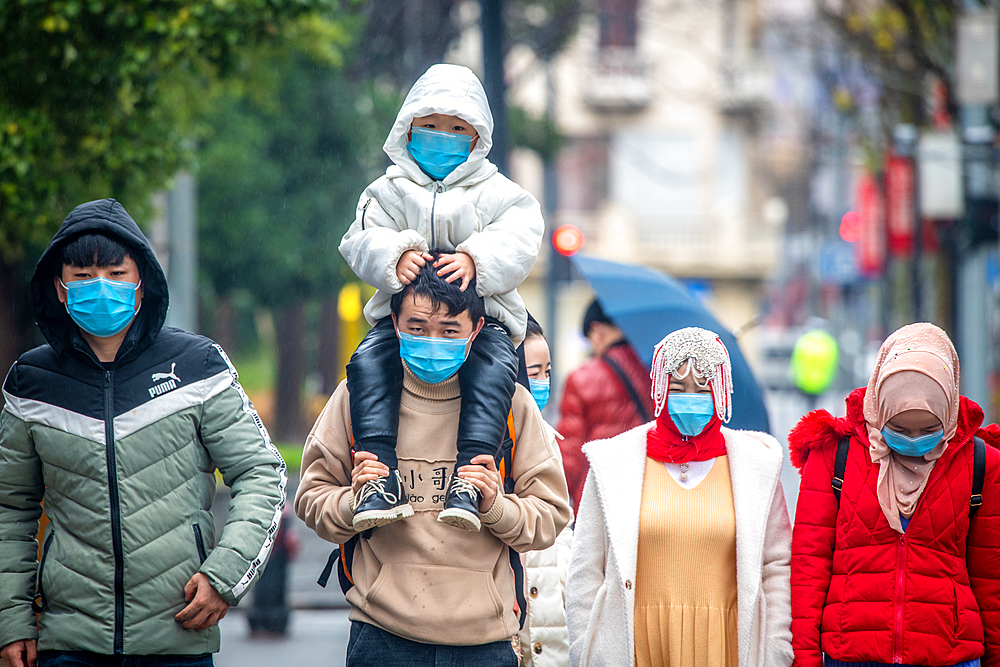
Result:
x=896 y=544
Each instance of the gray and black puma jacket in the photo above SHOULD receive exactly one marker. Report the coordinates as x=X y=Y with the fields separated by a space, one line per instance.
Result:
x=124 y=454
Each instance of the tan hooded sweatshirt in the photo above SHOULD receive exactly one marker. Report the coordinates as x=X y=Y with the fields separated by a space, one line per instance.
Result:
x=417 y=578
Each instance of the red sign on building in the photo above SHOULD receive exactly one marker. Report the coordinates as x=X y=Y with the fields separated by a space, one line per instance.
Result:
x=899 y=214
x=871 y=245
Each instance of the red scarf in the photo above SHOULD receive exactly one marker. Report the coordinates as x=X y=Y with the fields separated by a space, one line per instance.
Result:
x=665 y=443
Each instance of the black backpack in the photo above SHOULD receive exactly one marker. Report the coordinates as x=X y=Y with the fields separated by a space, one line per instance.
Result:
x=343 y=556
x=978 y=472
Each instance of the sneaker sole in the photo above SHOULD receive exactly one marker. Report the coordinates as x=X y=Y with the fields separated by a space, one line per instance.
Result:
x=375 y=518
x=460 y=519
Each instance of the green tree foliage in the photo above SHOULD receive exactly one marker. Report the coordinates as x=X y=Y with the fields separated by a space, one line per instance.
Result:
x=281 y=173
x=89 y=92
x=902 y=42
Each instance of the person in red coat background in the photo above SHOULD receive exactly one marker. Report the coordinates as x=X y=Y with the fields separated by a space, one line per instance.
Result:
x=898 y=572
x=606 y=396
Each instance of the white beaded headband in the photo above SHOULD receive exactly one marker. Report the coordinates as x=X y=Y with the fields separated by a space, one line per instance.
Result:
x=709 y=358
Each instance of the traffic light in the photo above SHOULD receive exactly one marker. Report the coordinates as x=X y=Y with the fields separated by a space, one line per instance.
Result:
x=567 y=240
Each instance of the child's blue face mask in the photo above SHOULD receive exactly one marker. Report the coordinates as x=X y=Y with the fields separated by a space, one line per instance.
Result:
x=438 y=153
x=907 y=446
x=539 y=391
x=432 y=360
x=690 y=412
x=99 y=306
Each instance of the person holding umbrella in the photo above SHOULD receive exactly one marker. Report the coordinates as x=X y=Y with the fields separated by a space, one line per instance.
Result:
x=682 y=542
x=606 y=396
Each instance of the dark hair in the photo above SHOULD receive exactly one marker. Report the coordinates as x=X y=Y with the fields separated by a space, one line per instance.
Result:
x=96 y=249
x=441 y=293
x=533 y=328
x=595 y=314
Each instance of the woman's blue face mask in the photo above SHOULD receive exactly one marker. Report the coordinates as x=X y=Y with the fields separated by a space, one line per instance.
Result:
x=539 y=391
x=690 y=412
x=438 y=153
x=432 y=360
x=907 y=446
x=99 y=306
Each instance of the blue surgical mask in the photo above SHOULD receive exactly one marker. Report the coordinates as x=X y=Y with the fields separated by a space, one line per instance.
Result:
x=539 y=391
x=432 y=360
x=907 y=446
x=99 y=306
x=690 y=412
x=438 y=153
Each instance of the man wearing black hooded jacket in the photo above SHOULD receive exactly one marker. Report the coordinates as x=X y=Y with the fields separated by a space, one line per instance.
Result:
x=119 y=423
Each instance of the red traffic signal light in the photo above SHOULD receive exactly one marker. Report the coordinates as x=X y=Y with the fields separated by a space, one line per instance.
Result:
x=851 y=227
x=567 y=240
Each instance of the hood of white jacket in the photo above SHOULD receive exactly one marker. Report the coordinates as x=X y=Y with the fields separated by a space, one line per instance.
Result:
x=446 y=89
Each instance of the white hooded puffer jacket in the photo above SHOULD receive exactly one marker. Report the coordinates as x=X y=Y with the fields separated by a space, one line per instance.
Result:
x=475 y=209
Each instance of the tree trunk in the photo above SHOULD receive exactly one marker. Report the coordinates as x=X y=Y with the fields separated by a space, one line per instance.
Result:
x=289 y=326
x=224 y=329
x=329 y=345
x=16 y=325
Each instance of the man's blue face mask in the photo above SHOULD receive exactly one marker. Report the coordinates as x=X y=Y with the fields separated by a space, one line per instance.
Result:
x=438 y=153
x=99 y=306
x=690 y=412
x=432 y=360
x=539 y=392
x=907 y=446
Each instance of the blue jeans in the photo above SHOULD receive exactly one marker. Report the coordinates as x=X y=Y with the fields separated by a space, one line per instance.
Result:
x=85 y=659
x=370 y=646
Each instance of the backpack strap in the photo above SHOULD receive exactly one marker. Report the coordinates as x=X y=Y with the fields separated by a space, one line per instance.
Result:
x=629 y=387
x=978 y=475
x=839 y=466
x=506 y=468
x=343 y=555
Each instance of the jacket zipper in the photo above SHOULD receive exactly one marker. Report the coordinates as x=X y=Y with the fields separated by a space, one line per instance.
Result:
x=199 y=543
x=897 y=639
x=116 y=523
x=437 y=189
x=38 y=603
x=364 y=212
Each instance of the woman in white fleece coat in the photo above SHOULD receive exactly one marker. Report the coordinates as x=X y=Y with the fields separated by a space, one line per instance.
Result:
x=630 y=584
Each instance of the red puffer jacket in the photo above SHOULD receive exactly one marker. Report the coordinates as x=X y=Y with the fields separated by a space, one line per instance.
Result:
x=863 y=592
x=596 y=405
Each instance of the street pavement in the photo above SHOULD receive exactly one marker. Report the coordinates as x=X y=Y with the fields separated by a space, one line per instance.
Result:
x=316 y=638
x=318 y=625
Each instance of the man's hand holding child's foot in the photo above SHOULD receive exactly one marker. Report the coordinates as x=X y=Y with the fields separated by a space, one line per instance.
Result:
x=459 y=265
x=379 y=496
x=409 y=265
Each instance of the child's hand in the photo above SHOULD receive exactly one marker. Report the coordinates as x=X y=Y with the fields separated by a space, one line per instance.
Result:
x=459 y=265
x=409 y=265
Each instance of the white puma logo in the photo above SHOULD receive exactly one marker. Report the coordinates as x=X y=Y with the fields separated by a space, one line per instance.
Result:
x=167 y=376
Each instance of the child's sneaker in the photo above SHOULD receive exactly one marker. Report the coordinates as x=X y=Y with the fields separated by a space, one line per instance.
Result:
x=381 y=501
x=461 y=506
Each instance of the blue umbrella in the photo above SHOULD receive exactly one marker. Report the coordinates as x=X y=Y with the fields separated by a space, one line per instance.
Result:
x=647 y=305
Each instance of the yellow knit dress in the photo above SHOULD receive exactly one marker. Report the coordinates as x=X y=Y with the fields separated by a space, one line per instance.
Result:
x=685 y=579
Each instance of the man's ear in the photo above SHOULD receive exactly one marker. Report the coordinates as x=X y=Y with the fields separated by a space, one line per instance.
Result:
x=479 y=327
x=395 y=326
x=60 y=290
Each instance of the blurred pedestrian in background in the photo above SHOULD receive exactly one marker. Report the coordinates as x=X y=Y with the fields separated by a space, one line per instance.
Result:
x=544 y=639
x=606 y=396
x=268 y=614
x=682 y=542
x=120 y=423
x=896 y=552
